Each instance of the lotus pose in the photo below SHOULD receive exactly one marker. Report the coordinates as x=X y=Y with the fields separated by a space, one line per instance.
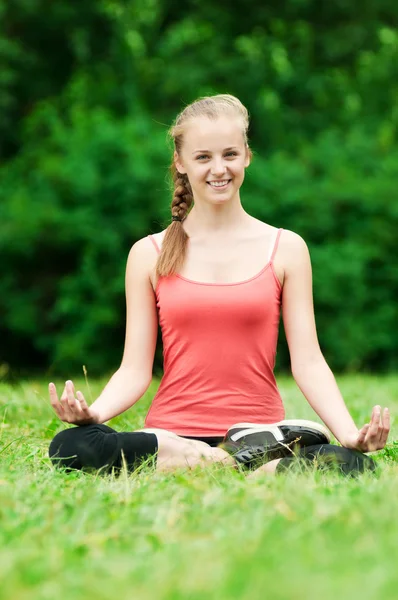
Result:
x=216 y=280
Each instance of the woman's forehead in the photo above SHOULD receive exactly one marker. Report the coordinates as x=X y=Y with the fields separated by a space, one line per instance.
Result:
x=203 y=133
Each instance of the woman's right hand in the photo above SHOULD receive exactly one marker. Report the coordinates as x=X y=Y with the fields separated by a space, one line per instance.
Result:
x=72 y=409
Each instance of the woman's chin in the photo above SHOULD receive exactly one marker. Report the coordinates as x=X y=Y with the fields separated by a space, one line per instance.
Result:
x=220 y=197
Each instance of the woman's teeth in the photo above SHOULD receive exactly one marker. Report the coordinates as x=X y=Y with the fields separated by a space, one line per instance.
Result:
x=219 y=183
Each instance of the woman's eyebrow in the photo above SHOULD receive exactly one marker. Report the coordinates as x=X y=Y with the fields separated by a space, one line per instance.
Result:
x=209 y=151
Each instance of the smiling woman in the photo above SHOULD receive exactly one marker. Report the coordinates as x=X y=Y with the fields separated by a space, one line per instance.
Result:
x=216 y=281
x=211 y=153
x=222 y=168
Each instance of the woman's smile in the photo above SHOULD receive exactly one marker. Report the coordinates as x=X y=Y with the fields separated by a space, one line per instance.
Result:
x=219 y=185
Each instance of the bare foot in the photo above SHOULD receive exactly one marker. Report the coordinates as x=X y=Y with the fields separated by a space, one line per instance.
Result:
x=175 y=452
x=269 y=467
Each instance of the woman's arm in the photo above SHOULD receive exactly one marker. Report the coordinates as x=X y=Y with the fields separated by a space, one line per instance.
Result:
x=133 y=377
x=309 y=368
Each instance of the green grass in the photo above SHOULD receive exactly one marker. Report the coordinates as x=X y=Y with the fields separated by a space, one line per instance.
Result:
x=197 y=535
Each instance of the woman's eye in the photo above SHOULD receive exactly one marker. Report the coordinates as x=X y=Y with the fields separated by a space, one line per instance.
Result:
x=206 y=156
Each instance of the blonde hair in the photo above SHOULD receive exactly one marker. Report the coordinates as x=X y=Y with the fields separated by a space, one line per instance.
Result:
x=174 y=245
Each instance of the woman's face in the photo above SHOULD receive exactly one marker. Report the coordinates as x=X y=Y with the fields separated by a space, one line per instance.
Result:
x=214 y=156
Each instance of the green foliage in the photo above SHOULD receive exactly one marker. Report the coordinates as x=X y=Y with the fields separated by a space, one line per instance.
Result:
x=43 y=44
x=71 y=208
x=86 y=94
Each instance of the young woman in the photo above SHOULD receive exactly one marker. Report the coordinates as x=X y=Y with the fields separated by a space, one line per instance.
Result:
x=213 y=280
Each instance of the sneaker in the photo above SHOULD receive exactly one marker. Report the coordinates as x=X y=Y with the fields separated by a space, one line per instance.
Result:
x=253 y=444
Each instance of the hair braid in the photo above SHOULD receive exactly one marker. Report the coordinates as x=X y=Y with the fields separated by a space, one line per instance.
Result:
x=182 y=197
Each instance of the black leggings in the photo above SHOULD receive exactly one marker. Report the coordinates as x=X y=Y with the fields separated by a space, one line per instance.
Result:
x=327 y=457
x=99 y=447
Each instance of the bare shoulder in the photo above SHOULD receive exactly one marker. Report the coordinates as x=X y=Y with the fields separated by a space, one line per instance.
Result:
x=145 y=249
x=140 y=249
x=293 y=250
x=291 y=242
x=144 y=255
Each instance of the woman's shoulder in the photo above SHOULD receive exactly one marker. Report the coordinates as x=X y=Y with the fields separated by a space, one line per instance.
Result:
x=291 y=240
x=157 y=237
x=292 y=250
x=288 y=242
x=147 y=252
x=146 y=245
x=288 y=239
x=143 y=252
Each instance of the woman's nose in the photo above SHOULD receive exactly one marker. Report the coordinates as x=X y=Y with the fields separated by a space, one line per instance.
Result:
x=218 y=167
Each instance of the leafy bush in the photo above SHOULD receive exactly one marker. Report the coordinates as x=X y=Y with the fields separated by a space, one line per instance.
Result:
x=85 y=189
x=86 y=94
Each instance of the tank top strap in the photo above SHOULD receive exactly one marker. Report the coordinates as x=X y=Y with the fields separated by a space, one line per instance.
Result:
x=154 y=242
x=274 y=246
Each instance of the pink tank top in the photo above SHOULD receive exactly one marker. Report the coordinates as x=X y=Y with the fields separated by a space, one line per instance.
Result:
x=219 y=348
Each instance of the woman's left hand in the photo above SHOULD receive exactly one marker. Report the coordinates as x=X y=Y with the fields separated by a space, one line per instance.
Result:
x=373 y=436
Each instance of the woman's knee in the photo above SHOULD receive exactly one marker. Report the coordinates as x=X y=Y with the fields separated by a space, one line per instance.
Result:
x=75 y=447
x=330 y=457
x=350 y=462
x=355 y=462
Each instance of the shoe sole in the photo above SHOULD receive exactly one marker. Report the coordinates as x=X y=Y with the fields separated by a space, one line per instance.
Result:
x=273 y=428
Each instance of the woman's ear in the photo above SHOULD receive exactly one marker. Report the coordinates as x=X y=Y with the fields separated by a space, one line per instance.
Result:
x=177 y=161
x=249 y=156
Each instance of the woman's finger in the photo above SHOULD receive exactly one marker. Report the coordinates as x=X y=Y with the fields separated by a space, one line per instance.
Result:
x=57 y=406
x=70 y=394
x=378 y=441
x=385 y=427
x=64 y=396
x=374 y=429
x=362 y=434
x=53 y=394
x=77 y=409
x=82 y=401
x=74 y=408
x=86 y=411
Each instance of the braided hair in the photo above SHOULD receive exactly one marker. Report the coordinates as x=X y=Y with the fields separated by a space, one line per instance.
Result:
x=182 y=197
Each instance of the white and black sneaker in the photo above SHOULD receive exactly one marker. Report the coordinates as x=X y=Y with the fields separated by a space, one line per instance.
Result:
x=253 y=444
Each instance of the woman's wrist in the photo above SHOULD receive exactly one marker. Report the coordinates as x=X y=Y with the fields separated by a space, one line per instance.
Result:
x=95 y=414
x=349 y=439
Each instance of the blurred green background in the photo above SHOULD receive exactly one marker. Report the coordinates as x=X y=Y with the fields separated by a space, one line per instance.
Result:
x=87 y=92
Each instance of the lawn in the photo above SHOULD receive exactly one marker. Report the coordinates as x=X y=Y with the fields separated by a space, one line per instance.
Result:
x=199 y=534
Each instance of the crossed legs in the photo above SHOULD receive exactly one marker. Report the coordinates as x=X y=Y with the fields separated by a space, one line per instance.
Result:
x=101 y=447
